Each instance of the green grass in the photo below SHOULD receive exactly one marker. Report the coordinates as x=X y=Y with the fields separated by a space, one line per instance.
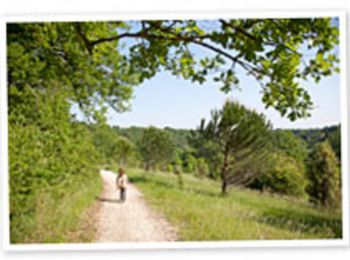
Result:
x=200 y=213
x=59 y=214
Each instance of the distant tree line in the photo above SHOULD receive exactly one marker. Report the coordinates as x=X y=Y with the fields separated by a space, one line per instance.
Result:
x=239 y=147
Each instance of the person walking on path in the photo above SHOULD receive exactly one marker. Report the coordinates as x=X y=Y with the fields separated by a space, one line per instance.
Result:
x=122 y=182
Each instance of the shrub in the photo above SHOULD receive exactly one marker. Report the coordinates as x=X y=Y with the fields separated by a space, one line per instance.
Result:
x=283 y=175
x=202 y=167
x=49 y=157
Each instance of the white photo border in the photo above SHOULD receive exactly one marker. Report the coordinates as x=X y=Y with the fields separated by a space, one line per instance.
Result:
x=234 y=14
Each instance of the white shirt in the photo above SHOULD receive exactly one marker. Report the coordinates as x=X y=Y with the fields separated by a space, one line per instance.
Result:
x=122 y=181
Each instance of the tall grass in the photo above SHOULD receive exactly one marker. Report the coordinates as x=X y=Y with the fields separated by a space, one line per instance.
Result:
x=201 y=213
x=57 y=217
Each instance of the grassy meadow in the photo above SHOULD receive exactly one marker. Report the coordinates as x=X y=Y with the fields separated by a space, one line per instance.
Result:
x=200 y=213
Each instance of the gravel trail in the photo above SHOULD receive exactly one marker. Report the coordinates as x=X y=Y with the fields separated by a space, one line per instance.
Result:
x=131 y=221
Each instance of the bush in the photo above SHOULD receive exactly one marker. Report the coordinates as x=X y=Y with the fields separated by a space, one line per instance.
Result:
x=50 y=158
x=189 y=163
x=169 y=168
x=283 y=175
x=202 y=167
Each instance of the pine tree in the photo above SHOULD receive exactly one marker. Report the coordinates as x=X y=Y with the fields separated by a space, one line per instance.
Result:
x=241 y=134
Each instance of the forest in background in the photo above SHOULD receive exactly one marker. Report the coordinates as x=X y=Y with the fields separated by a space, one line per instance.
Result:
x=181 y=137
x=293 y=147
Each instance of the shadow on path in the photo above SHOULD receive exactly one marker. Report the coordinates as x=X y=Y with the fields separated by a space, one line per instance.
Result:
x=108 y=200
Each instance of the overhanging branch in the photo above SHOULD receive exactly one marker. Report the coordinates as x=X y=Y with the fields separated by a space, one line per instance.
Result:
x=170 y=35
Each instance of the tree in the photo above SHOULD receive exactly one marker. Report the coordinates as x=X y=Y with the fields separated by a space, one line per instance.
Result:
x=105 y=141
x=44 y=56
x=241 y=134
x=287 y=142
x=316 y=135
x=91 y=62
x=334 y=139
x=155 y=147
x=283 y=175
x=125 y=150
x=324 y=176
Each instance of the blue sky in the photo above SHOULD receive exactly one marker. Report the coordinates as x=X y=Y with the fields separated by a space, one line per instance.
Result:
x=166 y=100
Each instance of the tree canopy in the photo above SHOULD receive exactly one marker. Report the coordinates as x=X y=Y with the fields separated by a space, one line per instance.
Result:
x=288 y=143
x=99 y=62
x=324 y=176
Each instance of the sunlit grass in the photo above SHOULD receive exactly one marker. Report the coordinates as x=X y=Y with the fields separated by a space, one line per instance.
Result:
x=201 y=213
x=58 y=215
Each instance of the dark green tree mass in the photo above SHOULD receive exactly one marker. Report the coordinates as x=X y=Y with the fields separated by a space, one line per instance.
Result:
x=334 y=139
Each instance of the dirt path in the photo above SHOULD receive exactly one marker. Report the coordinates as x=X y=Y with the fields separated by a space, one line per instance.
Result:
x=131 y=221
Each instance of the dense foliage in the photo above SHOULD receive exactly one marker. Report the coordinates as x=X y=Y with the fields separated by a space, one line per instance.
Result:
x=284 y=175
x=92 y=62
x=324 y=175
x=111 y=147
x=314 y=136
x=180 y=137
x=50 y=159
x=155 y=147
x=279 y=53
x=291 y=145
x=334 y=138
